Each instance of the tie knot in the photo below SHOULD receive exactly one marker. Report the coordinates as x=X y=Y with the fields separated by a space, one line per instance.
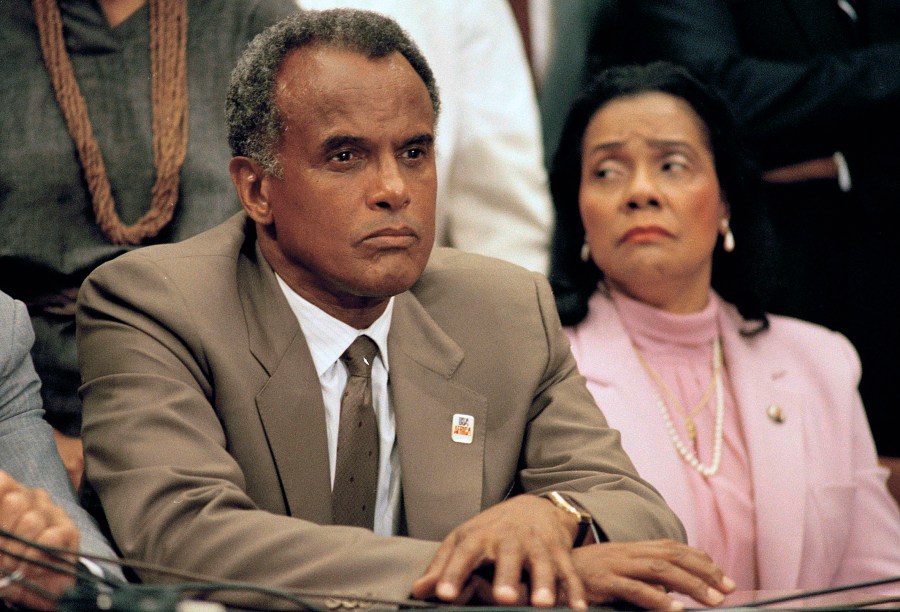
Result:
x=360 y=356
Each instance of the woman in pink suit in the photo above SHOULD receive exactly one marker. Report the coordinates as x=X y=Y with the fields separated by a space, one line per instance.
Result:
x=750 y=425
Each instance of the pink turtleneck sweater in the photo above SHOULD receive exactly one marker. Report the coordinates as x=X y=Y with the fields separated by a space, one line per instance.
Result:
x=679 y=347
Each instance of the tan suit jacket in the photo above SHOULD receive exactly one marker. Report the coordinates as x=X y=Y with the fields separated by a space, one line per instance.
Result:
x=204 y=425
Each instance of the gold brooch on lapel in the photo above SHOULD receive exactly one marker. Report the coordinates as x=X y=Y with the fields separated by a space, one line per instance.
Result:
x=775 y=413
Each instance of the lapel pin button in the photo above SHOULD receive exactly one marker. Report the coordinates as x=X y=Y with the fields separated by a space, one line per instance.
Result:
x=463 y=429
x=775 y=413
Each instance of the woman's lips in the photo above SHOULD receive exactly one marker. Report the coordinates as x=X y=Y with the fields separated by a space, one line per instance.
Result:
x=646 y=233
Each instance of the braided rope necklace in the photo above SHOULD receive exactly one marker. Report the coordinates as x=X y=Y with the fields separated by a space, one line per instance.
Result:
x=168 y=68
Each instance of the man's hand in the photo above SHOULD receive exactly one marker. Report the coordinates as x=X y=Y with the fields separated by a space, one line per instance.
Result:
x=71 y=450
x=525 y=533
x=641 y=573
x=31 y=514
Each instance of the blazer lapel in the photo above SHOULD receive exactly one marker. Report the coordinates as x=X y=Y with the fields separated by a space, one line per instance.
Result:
x=626 y=394
x=290 y=404
x=441 y=479
x=761 y=383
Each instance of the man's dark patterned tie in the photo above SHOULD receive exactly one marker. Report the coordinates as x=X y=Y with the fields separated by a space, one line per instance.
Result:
x=356 y=469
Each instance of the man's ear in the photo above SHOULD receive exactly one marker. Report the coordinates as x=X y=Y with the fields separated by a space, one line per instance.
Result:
x=252 y=184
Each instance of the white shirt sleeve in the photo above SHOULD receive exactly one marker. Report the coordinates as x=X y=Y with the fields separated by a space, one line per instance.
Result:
x=497 y=199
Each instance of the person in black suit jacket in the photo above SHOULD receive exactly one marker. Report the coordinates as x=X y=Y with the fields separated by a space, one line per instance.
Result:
x=815 y=83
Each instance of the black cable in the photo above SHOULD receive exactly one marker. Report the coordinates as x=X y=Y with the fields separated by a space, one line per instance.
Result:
x=69 y=569
x=197 y=582
x=61 y=566
x=819 y=592
x=29 y=585
x=61 y=556
x=185 y=590
x=73 y=569
x=856 y=605
x=208 y=584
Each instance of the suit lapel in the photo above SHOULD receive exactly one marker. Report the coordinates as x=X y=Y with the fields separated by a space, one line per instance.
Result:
x=761 y=379
x=820 y=24
x=441 y=479
x=290 y=404
x=626 y=395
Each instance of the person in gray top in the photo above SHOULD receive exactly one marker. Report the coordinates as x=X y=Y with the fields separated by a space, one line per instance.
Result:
x=50 y=227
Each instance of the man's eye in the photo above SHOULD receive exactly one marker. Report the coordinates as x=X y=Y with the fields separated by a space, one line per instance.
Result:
x=414 y=153
x=343 y=156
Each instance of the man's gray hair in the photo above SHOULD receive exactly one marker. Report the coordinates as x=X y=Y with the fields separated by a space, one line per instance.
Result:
x=254 y=123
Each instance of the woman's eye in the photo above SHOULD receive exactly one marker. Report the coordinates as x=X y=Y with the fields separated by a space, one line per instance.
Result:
x=674 y=165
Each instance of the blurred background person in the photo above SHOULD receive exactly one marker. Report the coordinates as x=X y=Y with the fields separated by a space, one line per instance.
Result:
x=749 y=424
x=493 y=196
x=560 y=39
x=98 y=157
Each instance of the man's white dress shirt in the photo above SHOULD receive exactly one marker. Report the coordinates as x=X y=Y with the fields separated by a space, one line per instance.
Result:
x=327 y=339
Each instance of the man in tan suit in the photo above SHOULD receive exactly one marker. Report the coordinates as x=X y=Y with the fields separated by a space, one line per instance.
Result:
x=212 y=381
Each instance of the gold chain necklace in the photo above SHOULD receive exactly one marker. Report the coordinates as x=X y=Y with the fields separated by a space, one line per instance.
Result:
x=168 y=69
x=687 y=416
x=690 y=456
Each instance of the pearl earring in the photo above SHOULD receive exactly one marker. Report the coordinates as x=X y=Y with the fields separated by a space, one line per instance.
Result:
x=727 y=236
x=585 y=252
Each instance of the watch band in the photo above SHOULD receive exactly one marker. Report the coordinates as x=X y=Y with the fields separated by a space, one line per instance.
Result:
x=585 y=520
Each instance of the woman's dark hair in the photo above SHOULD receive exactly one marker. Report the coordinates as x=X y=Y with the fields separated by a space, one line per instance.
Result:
x=734 y=275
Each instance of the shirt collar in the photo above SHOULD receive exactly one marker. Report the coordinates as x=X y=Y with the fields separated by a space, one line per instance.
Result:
x=327 y=337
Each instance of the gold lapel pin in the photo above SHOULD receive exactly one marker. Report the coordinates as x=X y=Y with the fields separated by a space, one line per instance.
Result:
x=775 y=413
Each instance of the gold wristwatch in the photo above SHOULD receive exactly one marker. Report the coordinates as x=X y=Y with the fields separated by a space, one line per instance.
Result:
x=585 y=520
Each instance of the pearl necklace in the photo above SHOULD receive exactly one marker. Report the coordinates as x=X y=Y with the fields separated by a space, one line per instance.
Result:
x=687 y=454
